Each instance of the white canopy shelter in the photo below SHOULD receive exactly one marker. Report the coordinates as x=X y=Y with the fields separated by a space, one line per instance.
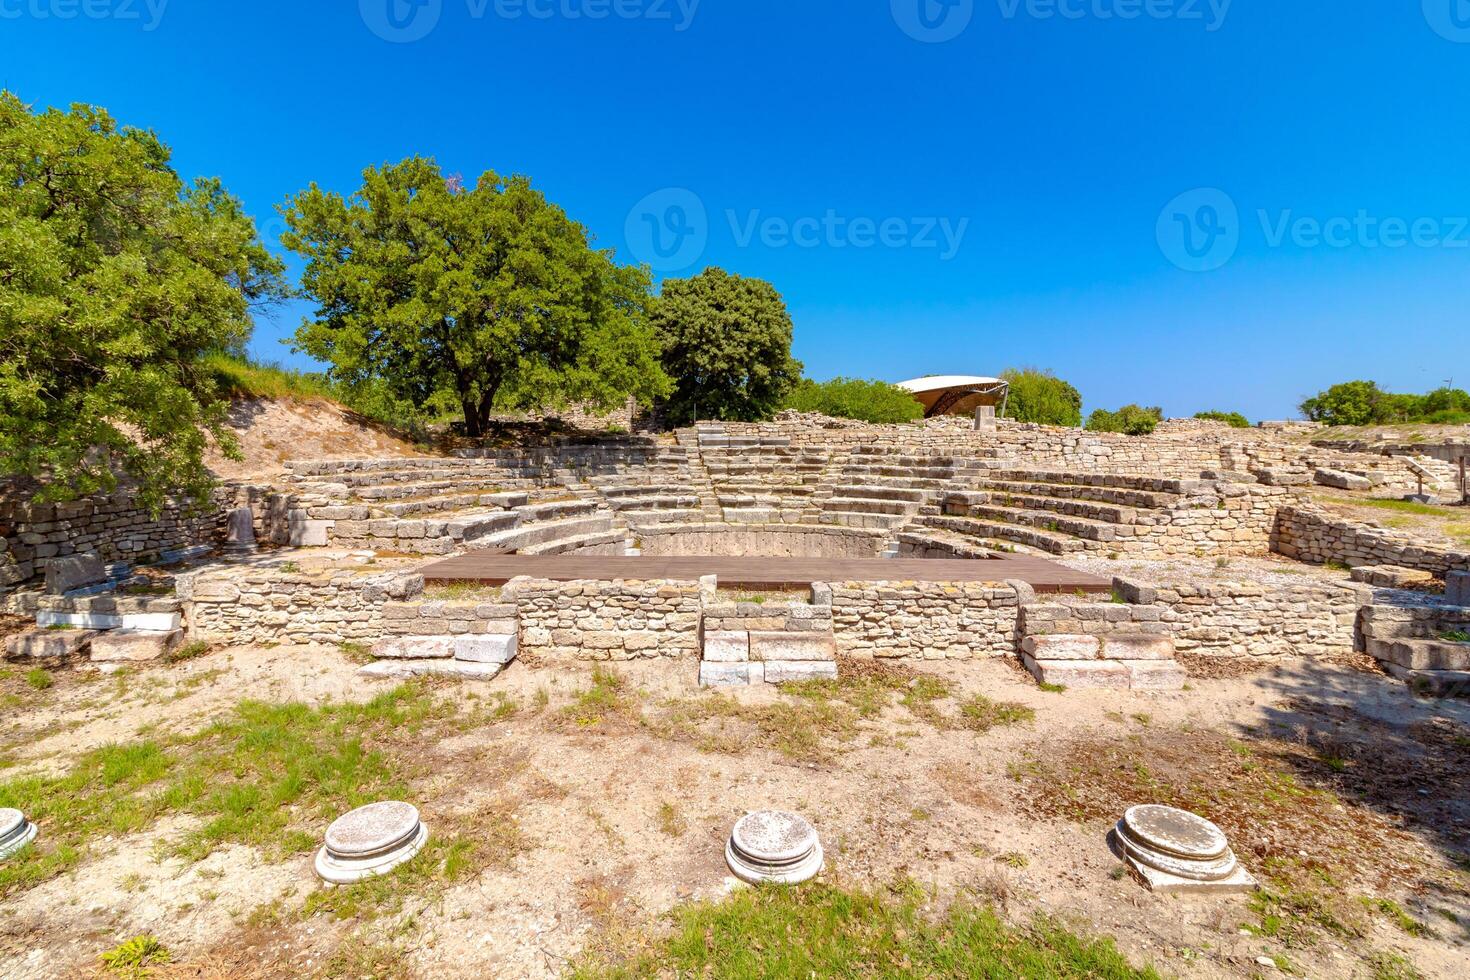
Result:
x=956 y=394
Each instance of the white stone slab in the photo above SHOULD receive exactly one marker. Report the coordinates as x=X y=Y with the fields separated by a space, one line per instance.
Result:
x=487 y=648
x=727 y=647
x=792 y=671
x=415 y=647
x=461 y=669
x=729 y=675
x=1062 y=646
x=133 y=646
x=80 y=620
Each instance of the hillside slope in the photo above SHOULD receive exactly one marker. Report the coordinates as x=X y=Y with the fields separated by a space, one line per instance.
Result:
x=272 y=431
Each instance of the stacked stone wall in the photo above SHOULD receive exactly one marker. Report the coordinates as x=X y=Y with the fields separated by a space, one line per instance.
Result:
x=275 y=604
x=615 y=620
x=1244 y=619
x=924 y=620
x=1314 y=536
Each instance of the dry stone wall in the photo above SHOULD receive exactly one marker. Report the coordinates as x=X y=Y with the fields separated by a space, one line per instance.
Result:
x=1314 y=536
x=607 y=620
x=924 y=620
x=1245 y=619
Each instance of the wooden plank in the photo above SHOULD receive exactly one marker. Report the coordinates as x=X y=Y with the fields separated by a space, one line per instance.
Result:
x=763 y=573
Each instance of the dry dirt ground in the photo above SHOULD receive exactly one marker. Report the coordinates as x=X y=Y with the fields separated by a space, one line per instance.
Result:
x=600 y=802
x=272 y=431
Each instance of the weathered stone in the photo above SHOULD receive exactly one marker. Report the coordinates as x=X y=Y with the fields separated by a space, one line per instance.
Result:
x=792 y=671
x=1137 y=646
x=369 y=841
x=730 y=674
x=416 y=647
x=1155 y=675
x=1079 y=674
x=133 y=646
x=727 y=647
x=770 y=646
x=774 y=847
x=486 y=649
x=1391 y=576
x=75 y=572
x=48 y=644
x=1457 y=588
x=462 y=669
x=1062 y=647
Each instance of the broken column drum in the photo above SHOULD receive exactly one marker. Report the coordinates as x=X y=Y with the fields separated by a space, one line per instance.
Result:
x=371 y=840
x=15 y=832
x=1175 y=850
x=774 y=847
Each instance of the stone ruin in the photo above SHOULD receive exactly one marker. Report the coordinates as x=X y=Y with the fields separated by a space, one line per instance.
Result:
x=334 y=552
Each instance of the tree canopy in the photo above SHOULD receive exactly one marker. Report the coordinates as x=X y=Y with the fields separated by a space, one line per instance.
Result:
x=852 y=398
x=1365 y=403
x=727 y=345
x=490 y=299
x=1042 y=397
x=1132 y=420
x=115 y=278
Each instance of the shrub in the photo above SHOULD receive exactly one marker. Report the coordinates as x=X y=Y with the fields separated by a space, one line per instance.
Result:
x=1042 y=397
x=1233 y=419
x=853 y=398
x=1132 y=420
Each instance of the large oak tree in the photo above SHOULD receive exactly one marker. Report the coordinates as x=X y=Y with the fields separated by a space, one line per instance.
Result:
x=487 y=296
x=115 y=277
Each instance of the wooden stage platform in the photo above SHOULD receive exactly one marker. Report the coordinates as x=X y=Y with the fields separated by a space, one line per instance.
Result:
x=763 y=573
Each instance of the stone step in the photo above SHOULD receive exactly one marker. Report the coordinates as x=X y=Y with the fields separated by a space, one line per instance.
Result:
x=611 y=542
x=1433 y=683
x=501 y=500
x=904 y=494
x=630 y=505
x=1051 y=543
x=122 y=646
x=524 y=537
x=1119 y=675
x=152 y=621
x=1069 y=507
x=1418 y=654
x=1076 y=527
x=868 y=505
x=957 y=546
x=863 y=519
x=1119 y=496
x=404 y=669
x=49 y=646
x=555 y=510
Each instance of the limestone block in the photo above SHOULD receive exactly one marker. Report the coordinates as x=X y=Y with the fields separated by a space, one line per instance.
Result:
x=768 y=646
x=1062 y=647
x=416 y=647
x=1080 y=674
x=1391 y=576
x=1137 y=646
x=1457 y=588
x=487 y=649
x=133 y=646
x=1342 y=481
x=79 y=620
x=789 y=671
x=48 y=644
x=1155 y=675
x=65 y=574
x=462 y=669
x=730 y=675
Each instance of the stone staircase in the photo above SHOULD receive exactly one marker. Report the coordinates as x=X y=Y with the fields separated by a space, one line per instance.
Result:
x=745 y=643
x=1099 y=645
x=1427 y=647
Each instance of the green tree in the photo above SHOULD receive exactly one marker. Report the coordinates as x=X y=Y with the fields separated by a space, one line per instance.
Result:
x=1349 y=403
x=852 y=398
x=489 y=297
x=727 y=345
x=115 y=278
x=1233 y=419
x=1042 y=397
x=1132 y=420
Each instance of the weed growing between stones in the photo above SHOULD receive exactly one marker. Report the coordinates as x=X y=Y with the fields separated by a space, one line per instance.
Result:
x=826 y=930
x=136 y=957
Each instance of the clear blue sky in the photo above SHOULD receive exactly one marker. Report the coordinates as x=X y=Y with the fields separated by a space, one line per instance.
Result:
x=1056 y=143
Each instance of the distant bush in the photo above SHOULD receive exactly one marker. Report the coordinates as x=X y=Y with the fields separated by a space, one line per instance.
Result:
x=1131 y=420
x=852 y=398
x=1042 y=397
x=1364 y=403
x=1233 y=419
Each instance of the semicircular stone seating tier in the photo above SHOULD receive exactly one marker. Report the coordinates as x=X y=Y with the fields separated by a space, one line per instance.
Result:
x=621 y=497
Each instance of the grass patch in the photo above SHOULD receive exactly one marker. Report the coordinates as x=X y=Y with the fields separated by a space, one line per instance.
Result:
x=981 y=714
x=671 y=821
x=39 y=679
x=189 y=651
x=242 y=378
x=1392 y=966
x=136 y=957
x=267 y=776
x=1456 y=636
x=826 y=931
x=1395 y=913
x=606 y=699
